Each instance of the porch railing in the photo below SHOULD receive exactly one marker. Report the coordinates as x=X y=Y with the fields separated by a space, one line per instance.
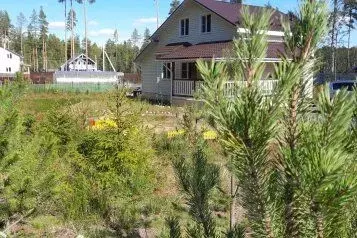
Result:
x=187 y=88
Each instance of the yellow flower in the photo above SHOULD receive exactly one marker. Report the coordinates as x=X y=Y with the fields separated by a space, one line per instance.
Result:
x=210 y=135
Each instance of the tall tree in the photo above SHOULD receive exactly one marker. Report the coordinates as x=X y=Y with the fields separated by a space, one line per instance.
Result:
x=33 y=29
x=135 y=37
x=84 y=2
x=174 y=5
x=21 y=22
x=350 y=8
x=72 y=22
x=5 y=25
x=65 y=30
x=43 y=24
x=146 y=39
x=71 y=25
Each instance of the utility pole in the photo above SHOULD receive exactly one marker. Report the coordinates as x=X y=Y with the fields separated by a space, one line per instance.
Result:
x=157 y=13
x=103 y=59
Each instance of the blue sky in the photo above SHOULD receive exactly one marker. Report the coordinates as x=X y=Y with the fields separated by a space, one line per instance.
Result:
x=107 y=15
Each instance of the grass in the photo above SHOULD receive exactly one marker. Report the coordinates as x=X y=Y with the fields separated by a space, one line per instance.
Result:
x=166 y=199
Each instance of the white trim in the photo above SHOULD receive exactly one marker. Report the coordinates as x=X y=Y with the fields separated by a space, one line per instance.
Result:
x=270 y=33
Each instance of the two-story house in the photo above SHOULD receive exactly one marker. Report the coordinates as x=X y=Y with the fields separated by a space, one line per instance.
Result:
x=198 y=29
x=10 y=62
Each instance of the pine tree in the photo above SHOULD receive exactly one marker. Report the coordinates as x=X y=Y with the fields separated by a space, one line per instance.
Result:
x=174 y=5
x=43 y=24
x=33 y=29
x=146 y=39
x=21 y=22
x=295 y=173
x=135 y=37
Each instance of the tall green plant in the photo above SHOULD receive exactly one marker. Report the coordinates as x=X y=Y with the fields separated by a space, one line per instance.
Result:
x=292 y=166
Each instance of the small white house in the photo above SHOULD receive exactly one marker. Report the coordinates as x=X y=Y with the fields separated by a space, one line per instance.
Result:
x=79 y=63
x=10 y=62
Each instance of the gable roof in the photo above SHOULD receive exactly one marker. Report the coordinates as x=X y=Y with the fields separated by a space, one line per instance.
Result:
x=231 y=12
x=77 y=57
x=13 y=52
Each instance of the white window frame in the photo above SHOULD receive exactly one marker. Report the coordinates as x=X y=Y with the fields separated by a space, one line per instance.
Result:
x=187 y=70
x=206 y=25
x=166 y=69
x=185 y=26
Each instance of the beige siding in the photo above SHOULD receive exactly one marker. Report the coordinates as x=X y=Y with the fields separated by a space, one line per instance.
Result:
x=220 y=30
x=152 y=83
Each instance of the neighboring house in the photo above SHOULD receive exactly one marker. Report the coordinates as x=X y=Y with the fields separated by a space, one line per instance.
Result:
x=79 y=63
x=198 y=29
x=10 y=62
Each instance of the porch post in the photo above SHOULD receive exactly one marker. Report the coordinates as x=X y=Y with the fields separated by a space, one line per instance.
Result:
x=173 y=76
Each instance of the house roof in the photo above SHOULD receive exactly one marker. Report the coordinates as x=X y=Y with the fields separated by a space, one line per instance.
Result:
x=13 y=52
x=212 y=50
x=231 y=12
x=77 y=57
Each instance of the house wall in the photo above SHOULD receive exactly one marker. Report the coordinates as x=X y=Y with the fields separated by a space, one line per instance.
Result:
x=221 y=30
x=5 y=62
x=153 y=86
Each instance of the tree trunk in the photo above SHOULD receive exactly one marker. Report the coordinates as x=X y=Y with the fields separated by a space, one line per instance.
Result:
x=333 y=36
x=85 y=31
x=65 y=34
x=349 y=41
x=72 y=31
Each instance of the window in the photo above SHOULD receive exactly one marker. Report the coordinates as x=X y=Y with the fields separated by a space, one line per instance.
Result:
x=206 y=23
x=188 y=70
x=166 y=71
x=184 y=70
x=185 y=27
x=9 y=69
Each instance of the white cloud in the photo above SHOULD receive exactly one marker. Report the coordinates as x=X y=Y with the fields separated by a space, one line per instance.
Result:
x=102 y=32
x=142 y=21
x=56 y=25
x=93 y=23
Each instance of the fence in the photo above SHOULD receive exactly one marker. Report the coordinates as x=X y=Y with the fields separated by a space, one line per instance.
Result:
x=86 y=77
x=72 y=87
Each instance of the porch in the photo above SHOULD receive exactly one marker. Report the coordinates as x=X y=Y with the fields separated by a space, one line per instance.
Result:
x=186 y=80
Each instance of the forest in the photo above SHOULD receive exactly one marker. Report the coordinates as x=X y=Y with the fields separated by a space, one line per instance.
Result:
x=30 y=37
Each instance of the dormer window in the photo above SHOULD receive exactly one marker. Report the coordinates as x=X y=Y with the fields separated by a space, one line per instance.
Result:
x=206 y=23
x=184 y=27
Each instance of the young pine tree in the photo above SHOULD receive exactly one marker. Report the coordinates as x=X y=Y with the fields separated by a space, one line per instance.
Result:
x=295 y=169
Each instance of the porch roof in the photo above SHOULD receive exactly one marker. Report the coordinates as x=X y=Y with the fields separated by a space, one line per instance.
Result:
x=209 y=50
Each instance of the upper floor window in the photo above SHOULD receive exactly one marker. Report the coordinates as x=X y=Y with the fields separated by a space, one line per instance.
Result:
x=206 y=23
x=9 y=56
x=184 y=27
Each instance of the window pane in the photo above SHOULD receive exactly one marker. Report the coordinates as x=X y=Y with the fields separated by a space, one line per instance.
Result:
x=182 y=27
x=208 y=23
x=184 y=70
x=168 y=70
x=163 y=71
x=192 y=70
x=203 y=28
x=187 y=26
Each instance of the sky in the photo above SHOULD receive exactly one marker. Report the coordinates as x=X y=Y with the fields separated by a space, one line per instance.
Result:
x=105 y=16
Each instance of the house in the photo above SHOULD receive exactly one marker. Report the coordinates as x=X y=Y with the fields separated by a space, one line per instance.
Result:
x=79 y=63
x=198 y=29
x=10 y=62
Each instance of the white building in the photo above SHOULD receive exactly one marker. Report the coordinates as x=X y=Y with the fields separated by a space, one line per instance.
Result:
x=10 y=62
x=79 y=63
